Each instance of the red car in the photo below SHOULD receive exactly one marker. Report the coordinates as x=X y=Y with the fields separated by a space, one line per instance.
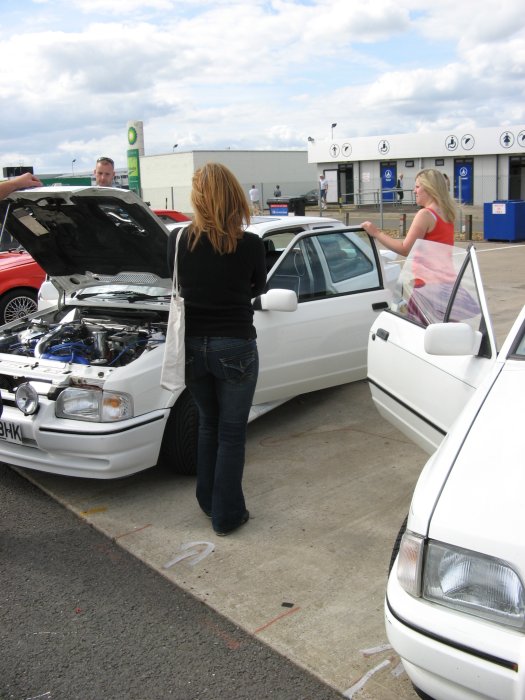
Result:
x=20 y=280
x=169 y=215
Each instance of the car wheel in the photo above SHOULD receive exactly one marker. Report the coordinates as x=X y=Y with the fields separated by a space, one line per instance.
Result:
x=16 y=304
x=397 y=544
x=178 y=452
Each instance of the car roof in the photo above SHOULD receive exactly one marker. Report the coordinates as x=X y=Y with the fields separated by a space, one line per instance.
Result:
x=264 y=225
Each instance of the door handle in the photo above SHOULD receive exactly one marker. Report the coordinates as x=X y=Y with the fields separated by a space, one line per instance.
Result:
x=380 y=305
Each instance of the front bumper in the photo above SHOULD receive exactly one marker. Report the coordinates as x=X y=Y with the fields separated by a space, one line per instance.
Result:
x=84 y=449
x=453 y=656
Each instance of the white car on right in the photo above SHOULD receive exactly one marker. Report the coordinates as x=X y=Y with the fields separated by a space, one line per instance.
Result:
x=455 y=600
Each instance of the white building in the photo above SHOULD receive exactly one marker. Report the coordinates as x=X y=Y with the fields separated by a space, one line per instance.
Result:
x=166 y=178
x=482 y=164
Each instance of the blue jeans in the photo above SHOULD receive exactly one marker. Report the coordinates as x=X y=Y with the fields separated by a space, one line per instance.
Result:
x=221 y=374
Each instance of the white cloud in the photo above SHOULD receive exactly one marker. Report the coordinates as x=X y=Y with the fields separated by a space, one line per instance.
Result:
x=264 y=74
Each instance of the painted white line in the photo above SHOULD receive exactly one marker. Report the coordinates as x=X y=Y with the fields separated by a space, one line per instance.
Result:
x=491 y=250
x=376 y=650
x=398 y=670
x=360 y=683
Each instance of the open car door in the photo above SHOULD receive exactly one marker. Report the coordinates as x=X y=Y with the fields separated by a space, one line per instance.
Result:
x=337 y=276
x=429 y=352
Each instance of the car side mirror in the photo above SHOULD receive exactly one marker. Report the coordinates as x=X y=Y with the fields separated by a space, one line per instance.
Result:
x=452 y=339
x=276 y=300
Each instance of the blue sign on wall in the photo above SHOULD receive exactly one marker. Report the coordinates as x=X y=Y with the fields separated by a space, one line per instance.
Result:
x=463 y=181
x=388 y=182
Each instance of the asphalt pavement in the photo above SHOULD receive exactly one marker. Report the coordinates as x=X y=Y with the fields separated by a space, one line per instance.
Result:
x=82 y=619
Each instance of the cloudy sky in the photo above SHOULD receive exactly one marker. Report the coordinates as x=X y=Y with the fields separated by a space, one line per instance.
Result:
x=263 y=74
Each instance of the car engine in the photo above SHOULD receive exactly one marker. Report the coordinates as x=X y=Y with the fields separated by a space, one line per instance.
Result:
x=86 y=339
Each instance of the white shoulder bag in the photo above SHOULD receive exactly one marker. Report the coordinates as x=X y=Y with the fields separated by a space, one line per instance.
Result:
x=173 y=364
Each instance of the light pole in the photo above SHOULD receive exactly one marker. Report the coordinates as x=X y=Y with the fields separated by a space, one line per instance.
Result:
x=175 y=146
x=73 y=166
x=311 y=139
x=333 y=127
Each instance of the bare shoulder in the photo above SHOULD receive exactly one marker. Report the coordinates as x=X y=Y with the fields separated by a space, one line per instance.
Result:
x=426 y=217
x=422 y=223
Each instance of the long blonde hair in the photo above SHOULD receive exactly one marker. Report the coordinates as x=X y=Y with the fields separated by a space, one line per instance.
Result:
x=220 y=206
x=436 y=186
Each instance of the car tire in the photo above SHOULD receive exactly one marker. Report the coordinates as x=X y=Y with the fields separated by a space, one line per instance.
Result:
x=17 y=303
x=397 y=544
x=178 y=451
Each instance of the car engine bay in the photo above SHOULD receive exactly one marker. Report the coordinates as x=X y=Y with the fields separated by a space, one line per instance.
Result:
x=87 y=336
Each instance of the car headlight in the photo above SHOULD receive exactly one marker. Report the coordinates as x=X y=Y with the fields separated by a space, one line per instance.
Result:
x=462 y=580
x=26 y=399
x=92 y=404
x=474 y=583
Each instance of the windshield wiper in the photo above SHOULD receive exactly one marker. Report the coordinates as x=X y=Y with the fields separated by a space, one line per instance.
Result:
x=130 y=296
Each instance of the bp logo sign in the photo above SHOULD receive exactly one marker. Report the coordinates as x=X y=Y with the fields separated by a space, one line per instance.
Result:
x=132 y=135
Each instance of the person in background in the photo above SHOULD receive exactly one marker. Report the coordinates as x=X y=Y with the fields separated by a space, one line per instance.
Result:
x=255 y=199
x=433 y=222
x=104 y=172
x=399 y=188
x=277 y=191
x=323 y=190
x=221 y=267
x=20 y=182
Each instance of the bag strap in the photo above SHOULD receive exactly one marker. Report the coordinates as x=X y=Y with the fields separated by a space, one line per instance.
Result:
x=175 y=286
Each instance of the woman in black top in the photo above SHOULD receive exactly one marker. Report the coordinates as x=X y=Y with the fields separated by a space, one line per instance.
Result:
x=221 y=267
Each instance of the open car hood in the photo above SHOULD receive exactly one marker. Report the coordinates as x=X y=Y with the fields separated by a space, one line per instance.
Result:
x=86 y=236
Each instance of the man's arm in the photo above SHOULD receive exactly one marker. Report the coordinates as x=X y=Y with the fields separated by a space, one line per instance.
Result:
x=21 y=182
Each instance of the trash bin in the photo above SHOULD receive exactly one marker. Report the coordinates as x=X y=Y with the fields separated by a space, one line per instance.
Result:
x=504 y=220
x=278 y=206
x=284 y=206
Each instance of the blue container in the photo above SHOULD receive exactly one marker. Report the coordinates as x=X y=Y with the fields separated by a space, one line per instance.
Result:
x=504 y=220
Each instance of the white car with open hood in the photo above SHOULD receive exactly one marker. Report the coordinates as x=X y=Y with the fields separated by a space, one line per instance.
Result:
x=455 y=601
x=80 y=381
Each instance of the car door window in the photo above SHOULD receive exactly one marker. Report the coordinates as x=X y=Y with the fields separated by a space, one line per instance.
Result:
x=344 y=259
x=518 y=349
x=327 y=264
x=276 y=243
x=292 y=273
x=437 y=284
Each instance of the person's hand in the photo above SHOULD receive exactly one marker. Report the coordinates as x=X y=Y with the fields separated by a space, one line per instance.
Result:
x=20 y=182
x=26 y=180
x=370 y=228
